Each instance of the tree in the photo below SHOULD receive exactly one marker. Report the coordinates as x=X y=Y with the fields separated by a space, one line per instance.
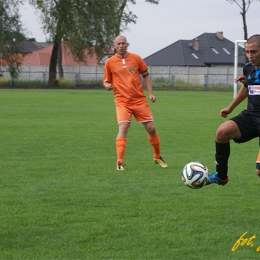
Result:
x=83 y=24
x=11 y=33
x=244 y=6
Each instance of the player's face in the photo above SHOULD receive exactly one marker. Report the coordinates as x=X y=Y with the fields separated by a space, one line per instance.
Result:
x=253 y=53
x=120 y=44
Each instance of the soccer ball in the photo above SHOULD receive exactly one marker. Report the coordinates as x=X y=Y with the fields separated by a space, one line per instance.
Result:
x=195 y=175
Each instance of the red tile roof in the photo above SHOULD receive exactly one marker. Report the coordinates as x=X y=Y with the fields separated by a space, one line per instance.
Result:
x=42 y=58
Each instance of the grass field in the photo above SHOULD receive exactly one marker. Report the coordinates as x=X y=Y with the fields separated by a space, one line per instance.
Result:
x=61 y=197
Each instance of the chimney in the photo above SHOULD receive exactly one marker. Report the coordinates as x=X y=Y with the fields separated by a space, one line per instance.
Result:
x=195 y=45
x=220 y=35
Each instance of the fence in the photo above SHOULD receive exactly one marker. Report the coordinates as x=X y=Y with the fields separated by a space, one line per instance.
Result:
x=165 y=74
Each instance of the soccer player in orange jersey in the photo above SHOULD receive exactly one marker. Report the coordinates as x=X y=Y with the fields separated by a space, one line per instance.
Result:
x=122 y=75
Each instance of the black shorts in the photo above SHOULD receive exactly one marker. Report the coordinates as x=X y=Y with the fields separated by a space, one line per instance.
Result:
x=248 y=124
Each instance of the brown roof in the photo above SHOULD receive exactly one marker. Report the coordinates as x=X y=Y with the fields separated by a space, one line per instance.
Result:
x=42 y=58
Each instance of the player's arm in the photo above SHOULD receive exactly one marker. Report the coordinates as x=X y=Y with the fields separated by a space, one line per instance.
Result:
x=107 y=78
x=108 y=86
x=241 y=95
x=148 y=85
x=241 y=79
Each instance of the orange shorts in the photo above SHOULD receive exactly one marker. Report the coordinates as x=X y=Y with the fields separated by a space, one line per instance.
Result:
x=141 y=112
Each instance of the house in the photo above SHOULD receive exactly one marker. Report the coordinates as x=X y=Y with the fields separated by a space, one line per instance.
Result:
x=206 y=50
x=27 y=47
x=41 y=57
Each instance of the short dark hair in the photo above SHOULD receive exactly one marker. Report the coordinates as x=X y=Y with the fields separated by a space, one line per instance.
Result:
x=254 y=39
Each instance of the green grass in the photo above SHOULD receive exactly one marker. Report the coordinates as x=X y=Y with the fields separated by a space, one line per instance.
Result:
x=61 y=197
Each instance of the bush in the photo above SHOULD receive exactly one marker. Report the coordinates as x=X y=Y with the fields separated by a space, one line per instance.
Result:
x=157 y=83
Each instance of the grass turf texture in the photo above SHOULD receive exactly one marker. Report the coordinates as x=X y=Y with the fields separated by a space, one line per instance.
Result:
x=61 y=197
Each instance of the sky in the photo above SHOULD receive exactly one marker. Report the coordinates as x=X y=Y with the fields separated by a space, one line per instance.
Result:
x=158 y=26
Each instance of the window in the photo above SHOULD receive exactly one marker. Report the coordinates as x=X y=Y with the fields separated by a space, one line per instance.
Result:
x=194 y=55
x=227 y=52
x=215 y=50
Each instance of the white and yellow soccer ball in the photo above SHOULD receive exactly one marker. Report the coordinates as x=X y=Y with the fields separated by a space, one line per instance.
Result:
x=195 y=175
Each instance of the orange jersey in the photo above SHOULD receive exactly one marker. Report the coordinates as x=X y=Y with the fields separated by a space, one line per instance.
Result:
x=124 y=75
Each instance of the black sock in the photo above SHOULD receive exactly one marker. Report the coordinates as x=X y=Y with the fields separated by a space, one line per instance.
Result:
x=221 y=156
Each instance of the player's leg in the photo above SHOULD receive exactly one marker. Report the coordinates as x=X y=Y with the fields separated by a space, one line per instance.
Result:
x=124 y=120
x=241 y=128
x=144 y=115
x=226 y=131
x=121 y=144
x=154 y=140
x=257 y=168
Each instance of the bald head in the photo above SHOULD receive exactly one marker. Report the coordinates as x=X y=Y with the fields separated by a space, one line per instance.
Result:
x=120 y=38
x=120 y=45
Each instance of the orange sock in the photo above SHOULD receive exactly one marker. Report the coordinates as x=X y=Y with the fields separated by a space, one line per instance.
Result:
x=258 y=157
x=120 y=148
x=155 y=143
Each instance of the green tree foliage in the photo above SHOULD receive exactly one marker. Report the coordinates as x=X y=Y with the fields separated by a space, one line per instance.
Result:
x=11 y=33
x=244 y=6
x=83 y=24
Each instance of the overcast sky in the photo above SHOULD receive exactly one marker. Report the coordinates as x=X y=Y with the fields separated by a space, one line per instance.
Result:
x=161 y=25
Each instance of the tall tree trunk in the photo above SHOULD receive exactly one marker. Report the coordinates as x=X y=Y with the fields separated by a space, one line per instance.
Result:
x=53 y=65
x=243 y=13
x=60 y=67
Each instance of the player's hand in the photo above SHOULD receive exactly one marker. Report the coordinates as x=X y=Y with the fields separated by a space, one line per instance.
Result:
x=108 y=86
x=224 y=112
x=241 y=79
x=152 y=98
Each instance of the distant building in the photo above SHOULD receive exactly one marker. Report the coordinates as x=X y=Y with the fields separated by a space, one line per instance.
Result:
x=206 y=50
x=28 y=47
x=39 y=54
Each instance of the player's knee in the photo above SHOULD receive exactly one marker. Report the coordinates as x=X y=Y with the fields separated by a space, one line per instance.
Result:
x=152 y=131
x=150 y=128
x=257 y=172
x=223 y=134
x=220 y=134
x=123 y=128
